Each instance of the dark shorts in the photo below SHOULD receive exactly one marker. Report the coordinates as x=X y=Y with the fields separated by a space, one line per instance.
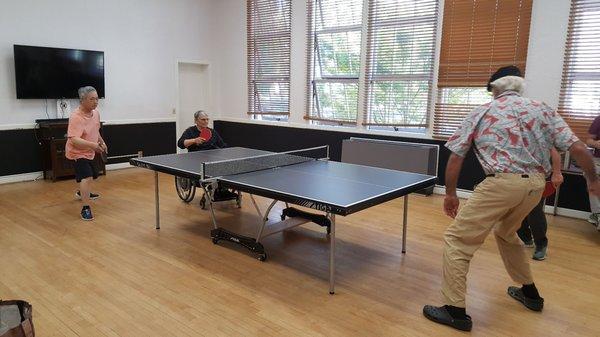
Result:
x=85 y=168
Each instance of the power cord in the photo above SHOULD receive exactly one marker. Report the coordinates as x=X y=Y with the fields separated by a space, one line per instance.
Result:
x=63 y=106
x=35 y=133
x=47 y=109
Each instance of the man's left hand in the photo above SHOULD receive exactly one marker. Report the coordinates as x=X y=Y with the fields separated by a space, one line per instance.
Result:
x=557 y=179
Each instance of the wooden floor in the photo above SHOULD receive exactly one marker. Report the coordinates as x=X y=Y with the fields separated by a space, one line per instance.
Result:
x=118 y=276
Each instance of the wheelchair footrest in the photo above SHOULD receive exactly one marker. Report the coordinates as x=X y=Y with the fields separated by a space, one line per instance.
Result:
x=224 y=195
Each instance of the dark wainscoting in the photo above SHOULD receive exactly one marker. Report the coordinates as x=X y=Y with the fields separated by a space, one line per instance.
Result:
x=281 y=138
x=150 y=138
x=20 y=149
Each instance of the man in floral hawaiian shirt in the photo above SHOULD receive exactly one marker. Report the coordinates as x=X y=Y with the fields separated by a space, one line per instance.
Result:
x=511 y=137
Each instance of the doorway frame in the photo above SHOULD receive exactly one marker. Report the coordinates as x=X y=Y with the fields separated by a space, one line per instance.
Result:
x=179 y=128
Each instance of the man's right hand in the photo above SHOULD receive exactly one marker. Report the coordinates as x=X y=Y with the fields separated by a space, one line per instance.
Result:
x=451 y=203
x=198 y=140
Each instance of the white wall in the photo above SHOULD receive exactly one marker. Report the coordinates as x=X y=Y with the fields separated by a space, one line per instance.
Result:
x=141 y=39
x=543 y=75
x=230 y=75
x=547 y=36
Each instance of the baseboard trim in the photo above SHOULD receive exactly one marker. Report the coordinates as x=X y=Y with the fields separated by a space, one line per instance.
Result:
x=17 y=178
x=441 y=190
x=33 y=176
x=463 y=194
x=566 y=212
x=118 y=166
x=570 y=213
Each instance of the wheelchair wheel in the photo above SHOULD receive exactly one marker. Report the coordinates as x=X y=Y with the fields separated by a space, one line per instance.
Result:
x=185 y=189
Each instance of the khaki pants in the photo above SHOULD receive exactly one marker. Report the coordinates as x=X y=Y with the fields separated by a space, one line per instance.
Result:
x=500 y=203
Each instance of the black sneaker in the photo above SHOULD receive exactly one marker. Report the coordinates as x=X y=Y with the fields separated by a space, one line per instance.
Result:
x=535 y=304
x=86 y=213
x=442 y=316
x=93 y=196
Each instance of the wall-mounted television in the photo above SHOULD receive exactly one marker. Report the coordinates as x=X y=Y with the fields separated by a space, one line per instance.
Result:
x=43 y=72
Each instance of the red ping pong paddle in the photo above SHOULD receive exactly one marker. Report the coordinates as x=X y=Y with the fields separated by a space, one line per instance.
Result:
x=205 y=134
x=549 y=189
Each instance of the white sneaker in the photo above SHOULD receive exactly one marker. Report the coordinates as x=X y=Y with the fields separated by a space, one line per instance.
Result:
x=593 y=219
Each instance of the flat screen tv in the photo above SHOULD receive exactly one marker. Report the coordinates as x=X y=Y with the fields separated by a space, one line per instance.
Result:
x=43 y=72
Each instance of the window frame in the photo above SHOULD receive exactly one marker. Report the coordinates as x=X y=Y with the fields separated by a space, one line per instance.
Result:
x=314 y=111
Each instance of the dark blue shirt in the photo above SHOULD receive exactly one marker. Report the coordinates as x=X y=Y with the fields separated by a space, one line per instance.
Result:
x=215 y=142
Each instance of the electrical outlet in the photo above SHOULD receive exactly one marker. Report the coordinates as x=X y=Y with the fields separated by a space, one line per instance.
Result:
x=63 y=108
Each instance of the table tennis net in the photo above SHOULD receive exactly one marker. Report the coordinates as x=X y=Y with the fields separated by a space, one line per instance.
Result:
x=263 y=162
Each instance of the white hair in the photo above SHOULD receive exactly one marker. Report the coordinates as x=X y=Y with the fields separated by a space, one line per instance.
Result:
x=200 y=113
x=509 y=83
x=84 y=91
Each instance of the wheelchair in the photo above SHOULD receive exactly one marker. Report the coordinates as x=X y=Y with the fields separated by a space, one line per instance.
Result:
x=186 y=190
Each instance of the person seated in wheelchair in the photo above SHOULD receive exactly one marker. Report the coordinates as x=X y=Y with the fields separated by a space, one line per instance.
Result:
x=200 y=137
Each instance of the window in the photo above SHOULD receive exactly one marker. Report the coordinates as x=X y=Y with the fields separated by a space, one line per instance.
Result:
x=399 y=63
x=333 y=55
x=579 y=101
x=478 y=37
x=269 y=37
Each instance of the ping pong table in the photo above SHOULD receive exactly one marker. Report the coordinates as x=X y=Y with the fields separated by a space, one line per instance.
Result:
x=303 y=177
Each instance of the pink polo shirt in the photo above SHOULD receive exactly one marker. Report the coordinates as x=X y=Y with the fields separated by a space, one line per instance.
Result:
x=82 y=126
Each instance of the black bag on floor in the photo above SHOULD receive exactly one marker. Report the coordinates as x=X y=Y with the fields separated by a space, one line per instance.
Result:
x=15 y=319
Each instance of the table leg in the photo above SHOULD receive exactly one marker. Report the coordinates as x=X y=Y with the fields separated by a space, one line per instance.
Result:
x=404 y=221
x=332 y=255
x=208 y=197
x=156 y=200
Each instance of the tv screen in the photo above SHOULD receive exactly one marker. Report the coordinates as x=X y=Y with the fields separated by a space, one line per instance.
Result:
x=43 y=72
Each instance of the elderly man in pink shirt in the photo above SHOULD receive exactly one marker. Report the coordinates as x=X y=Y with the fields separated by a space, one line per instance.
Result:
x=511 y=136
x=83 y=141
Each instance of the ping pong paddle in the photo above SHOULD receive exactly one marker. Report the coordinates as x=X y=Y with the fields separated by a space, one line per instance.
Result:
x=549 y=189
x=104 y=156
x=205 y=134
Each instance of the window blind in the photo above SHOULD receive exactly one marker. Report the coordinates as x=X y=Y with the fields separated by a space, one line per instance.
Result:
x=478 y=37
x=269 y=42
x=399 y=64
x=579 y=99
